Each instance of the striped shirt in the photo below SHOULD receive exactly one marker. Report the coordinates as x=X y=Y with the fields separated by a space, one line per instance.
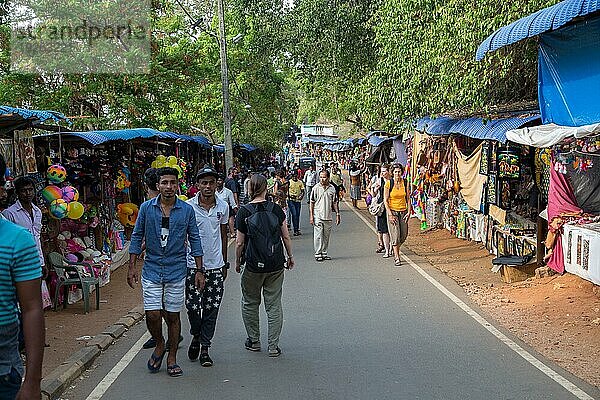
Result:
x=19 y=262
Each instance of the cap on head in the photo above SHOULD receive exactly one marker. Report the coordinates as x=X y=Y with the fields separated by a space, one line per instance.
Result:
x=207 y=171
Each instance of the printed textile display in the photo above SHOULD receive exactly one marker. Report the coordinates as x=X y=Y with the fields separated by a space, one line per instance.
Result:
x=471 y=181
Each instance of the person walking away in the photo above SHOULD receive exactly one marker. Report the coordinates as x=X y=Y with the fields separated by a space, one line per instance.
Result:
x=281 y=189
x=20 y=283
x=166 y=224
x=212 y=215
x=232 y=184
x=338 y=182
x=246 y=187
x=376 y=189
x=355 y=182
x=322 y=204
x=310 y=180
x=228 y=197
x=262 y=235
x=398 y=210
x=295 y=196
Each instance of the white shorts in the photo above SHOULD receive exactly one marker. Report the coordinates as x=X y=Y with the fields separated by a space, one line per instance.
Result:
x=163 y=296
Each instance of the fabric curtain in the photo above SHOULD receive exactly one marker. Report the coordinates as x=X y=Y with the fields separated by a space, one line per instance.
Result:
x=472 y=182
x=561 y=199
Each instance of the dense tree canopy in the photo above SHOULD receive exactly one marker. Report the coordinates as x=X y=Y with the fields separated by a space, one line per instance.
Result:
x=374 y=63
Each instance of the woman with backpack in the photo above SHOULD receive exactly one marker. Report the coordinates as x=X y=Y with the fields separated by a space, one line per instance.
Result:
x=397 y=206
x=262 y=235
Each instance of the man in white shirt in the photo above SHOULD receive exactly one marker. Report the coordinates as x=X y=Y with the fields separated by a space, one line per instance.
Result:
x=25 y=213
x=310 y=180
x=228 y=197
x=323 y=202
x=212 y=215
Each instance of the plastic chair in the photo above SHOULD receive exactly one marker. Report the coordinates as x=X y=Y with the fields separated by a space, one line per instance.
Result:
x=70 y=273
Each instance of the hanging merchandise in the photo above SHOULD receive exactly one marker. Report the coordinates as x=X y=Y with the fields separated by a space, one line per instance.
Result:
x=56 y=173
x=492 y=189
x=508 y=165
x=484 y=166
x=75 y=210
x=123 y=180
x=127 y=214
x=69 y=193
x=58 y=209
x=51 y=193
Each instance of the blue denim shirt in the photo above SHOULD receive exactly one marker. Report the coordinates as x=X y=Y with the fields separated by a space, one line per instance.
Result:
x=165 y=264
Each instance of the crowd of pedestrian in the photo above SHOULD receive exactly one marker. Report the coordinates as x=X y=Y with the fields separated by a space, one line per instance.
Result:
x=181 y=246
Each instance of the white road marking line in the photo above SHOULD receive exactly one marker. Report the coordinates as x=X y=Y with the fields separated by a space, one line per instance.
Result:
x=555 y=376
x=114 y=373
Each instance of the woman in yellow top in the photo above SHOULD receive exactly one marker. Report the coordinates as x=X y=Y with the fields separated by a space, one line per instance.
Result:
x=397 y=206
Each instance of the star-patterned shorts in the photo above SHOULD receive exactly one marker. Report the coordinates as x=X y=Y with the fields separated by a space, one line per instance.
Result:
x=210 y=297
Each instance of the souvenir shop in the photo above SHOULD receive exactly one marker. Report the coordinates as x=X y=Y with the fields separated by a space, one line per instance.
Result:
x=479 y=188
x=571 y=168
x=91 y=188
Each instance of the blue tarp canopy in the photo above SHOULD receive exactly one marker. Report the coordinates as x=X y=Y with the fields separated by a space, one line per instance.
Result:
x=569 y=74
x=477 y=128
x=219 y=148
x=308 y=139
x=98 y=137
x=548 y=19
x=376 y=141
x=41 y=115
x=248 y=147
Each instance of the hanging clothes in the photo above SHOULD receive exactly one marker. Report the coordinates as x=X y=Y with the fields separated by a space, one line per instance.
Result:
x=471 y=181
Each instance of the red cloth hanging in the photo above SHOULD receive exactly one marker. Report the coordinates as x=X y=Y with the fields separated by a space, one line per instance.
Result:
x=561 y=200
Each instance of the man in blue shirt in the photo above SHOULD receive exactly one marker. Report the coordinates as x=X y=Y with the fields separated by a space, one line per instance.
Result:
x=167 y=224
x=20 y=274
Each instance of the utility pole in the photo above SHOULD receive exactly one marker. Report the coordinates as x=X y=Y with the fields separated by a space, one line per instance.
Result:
x=228 y=142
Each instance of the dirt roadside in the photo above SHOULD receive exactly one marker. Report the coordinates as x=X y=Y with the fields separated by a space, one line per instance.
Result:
x=559 y=316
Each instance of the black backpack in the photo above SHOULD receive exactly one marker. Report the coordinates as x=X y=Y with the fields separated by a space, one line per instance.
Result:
x=264 y=246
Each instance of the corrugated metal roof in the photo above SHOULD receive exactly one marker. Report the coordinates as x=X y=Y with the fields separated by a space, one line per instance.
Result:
x=98 y=137
x=41 y=115
x=545 y=20
x=477 y=128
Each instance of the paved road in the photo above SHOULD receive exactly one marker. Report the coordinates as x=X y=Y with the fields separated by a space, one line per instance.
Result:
x=355 y=328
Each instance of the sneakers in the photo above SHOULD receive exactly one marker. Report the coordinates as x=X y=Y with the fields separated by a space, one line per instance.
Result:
x=252 y=346
x=205 y=359
x=276 y=352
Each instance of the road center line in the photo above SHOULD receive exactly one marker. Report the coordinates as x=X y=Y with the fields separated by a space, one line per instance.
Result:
x=555 y=376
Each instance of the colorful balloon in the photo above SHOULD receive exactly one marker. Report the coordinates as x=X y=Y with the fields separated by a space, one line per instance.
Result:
x=58 y=208
x=51 y=193
x=56 y=173
x=171 y=161
x=75 y=210
x=161 y=160
x=69 y=194
x=183 y=197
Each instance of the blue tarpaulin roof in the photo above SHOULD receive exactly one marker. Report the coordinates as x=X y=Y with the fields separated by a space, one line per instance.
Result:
x=98 y=137
x=41 y=115
x=545 y=20
x=477 y=128
x=379 y=140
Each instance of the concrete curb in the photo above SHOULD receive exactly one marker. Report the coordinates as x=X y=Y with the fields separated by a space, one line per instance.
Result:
x=54 y=384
